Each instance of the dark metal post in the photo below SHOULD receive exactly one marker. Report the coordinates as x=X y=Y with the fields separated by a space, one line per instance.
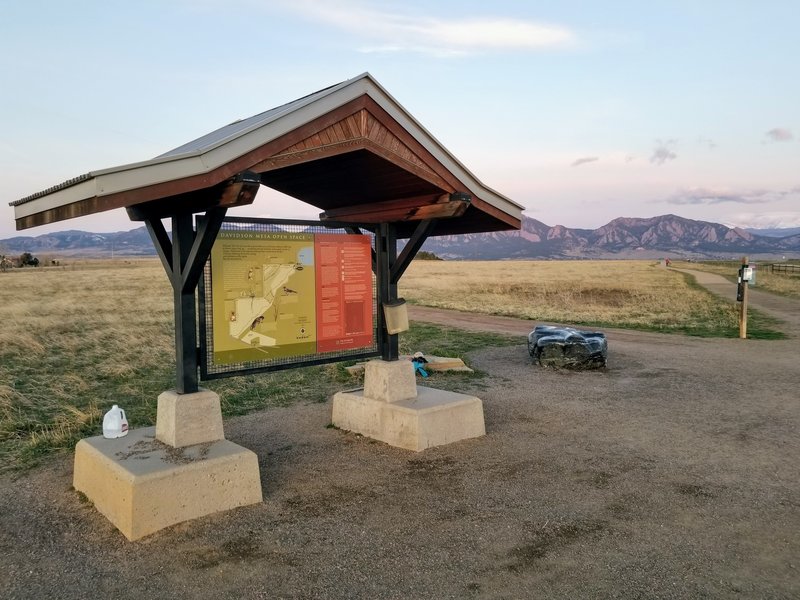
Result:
x=385 y=257
x=392 y=341
x=185 y=306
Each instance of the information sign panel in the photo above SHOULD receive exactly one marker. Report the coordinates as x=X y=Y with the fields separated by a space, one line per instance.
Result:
x=344 y=291
x=276 y=297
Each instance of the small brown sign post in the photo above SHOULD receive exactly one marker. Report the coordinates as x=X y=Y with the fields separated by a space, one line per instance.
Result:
x=744 y=279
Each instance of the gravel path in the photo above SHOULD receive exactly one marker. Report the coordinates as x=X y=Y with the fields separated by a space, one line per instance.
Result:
x=782 y=308
x=671 y=474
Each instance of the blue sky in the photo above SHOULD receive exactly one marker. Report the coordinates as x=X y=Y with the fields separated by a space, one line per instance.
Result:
x=580 y=111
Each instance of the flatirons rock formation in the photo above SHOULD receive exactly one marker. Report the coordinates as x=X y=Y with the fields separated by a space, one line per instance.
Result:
x=667 y=235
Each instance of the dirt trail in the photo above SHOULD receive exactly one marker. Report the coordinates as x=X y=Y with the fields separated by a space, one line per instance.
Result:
x=780 y=307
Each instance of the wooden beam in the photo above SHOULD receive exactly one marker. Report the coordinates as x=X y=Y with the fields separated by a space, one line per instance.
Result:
x=162 y=243
x=207 y=230
x=238 y=190
x=431 y=211
x=386 y=255
x=418 y=208
x=412 y=202
x=185 y=302
x=421 y=233
x=308 y=155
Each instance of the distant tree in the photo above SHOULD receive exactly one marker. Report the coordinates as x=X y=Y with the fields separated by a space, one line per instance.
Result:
x=5 y=263
x=26 y=259
x=424 y=255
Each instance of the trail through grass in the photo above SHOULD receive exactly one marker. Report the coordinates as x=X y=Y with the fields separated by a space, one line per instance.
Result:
x=625 y=294
x=785 y=284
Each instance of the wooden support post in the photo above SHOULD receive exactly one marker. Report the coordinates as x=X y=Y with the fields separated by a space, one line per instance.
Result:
x=185 y=307
x=183 y=258
x=385 y=258
x=743 y=311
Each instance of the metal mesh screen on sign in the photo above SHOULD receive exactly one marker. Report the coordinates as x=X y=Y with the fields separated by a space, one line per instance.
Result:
x=277 y=294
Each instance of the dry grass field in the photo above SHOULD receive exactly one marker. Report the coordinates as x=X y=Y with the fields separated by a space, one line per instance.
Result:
x=632 y=294
x=67 y=335
x=79 y=338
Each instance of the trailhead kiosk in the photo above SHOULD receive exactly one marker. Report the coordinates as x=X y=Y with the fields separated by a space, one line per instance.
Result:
x=377 y=177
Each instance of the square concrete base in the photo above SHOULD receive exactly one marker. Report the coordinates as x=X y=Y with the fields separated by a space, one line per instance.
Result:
x=189 y=419
x=142 y=485
x=390 y=380
x=433 y=418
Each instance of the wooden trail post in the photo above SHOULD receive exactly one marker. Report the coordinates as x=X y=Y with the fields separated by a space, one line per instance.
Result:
x=743 y=295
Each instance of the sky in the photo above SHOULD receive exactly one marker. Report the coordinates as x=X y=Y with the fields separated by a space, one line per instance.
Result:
x=581 y=111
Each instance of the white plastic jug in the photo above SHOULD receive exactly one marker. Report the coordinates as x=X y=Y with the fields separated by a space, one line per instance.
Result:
x=115 y=423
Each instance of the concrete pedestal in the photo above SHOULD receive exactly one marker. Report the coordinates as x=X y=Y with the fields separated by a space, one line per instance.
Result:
x=188 y=419
x=390 y=380
x=393 y=409
x=142 y=485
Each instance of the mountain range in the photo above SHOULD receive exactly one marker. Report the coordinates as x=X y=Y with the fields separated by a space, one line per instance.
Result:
x=667 y=235
x=135 y=242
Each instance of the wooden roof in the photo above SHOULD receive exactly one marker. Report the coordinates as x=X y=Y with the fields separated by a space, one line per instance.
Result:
x=350 y=150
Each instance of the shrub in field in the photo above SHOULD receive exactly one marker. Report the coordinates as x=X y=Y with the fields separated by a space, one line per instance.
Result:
x=26 y=259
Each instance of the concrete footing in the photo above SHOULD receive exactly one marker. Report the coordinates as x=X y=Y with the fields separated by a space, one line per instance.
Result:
x=390 y=381
x=406 y=415
x=188 y=419
x=181 y=469
x=142 y=485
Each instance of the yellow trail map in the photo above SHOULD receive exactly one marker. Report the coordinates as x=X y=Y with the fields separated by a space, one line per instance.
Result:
x=263 y=290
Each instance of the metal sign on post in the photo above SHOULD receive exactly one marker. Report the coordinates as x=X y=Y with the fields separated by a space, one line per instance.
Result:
x=745 y=275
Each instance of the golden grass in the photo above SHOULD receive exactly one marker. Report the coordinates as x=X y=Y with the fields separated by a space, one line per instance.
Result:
x=612 y=293
x=72 y=338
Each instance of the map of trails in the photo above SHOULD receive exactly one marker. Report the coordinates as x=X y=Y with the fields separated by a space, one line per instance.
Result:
x=264 y=296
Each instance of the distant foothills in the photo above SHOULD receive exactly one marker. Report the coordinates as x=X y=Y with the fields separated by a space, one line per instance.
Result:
x=664 y=236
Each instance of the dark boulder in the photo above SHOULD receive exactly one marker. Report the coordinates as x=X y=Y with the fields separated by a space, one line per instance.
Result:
x=567 y=348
